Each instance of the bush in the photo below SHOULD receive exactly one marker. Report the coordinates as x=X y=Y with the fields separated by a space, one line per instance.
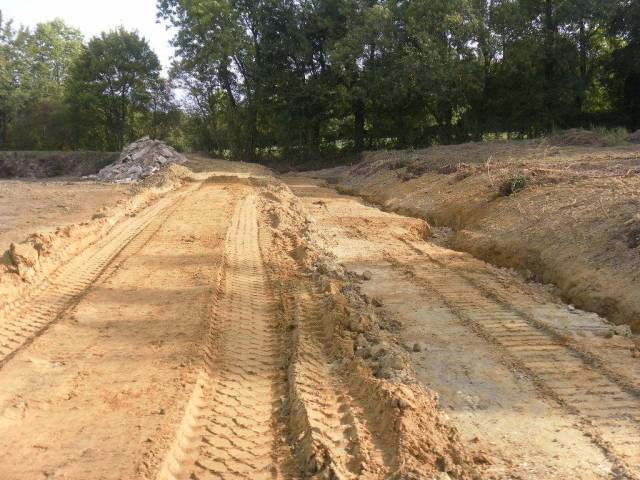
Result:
x=513 y=184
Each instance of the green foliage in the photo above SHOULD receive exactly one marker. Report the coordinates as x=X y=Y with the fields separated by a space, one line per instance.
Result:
x=313 y=79
x=318 y=76
x=113 y=85
x=34 y=67
x=513 y=185
x=57 y=93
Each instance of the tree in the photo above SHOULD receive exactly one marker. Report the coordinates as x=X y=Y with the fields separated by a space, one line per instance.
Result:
x=35 y=66
x=625 y=63
x=8 y=83
x=223 y=39
x=111 y=84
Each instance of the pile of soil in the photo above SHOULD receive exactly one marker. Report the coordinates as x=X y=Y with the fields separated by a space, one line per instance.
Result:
x=562 y=215
x=634 y=137
x=139 y=160
x=579 y=137
x=52 y=164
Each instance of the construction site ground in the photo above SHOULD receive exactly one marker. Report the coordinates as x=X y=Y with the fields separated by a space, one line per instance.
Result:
x=242 y=325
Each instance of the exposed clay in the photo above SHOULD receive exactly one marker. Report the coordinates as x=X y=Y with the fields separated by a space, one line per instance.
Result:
x=562 y=215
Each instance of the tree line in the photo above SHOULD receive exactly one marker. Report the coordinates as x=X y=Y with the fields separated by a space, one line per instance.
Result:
x=56 y=92
x=300 y=78
x=311 y=76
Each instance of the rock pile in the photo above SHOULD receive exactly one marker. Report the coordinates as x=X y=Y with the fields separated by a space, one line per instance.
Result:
x=139 y=160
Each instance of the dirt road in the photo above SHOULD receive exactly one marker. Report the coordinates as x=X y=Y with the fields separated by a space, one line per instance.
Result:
x=551 y=390
x=213 y=334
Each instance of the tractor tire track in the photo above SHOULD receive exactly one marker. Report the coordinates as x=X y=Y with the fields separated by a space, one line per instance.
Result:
x=607 y=409
x=230 y=427
x=333 y=432
x=25 y=320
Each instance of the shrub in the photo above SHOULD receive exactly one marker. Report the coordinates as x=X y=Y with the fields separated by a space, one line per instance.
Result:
x=513 y=184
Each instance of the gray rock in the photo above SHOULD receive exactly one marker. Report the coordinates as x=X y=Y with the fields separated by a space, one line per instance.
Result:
x=139 y=160
x=622 y=330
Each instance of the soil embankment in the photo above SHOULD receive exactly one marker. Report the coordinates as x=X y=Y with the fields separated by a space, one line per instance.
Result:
x=540 y=389
x=53 y=164
x=564 y=215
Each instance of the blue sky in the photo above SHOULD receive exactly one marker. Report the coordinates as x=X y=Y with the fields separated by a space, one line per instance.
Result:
x=95 y=16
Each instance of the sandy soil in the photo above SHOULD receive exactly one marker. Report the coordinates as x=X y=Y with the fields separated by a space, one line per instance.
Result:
x=548 y=390
x=122 y=353
x=562 y=215
x=28 y=206
x=219 y=324
x=206 y=334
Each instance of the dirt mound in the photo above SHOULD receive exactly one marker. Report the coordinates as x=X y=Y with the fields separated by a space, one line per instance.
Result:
x=579 y=137
x=139 y=160
x=52 y=164
x=168 y=176
x=333 y=328
x=634 y=137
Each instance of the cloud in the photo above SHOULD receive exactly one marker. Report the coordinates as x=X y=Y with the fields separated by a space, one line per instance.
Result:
x=95 y=16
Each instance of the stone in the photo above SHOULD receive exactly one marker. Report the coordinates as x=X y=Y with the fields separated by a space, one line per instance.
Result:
x=139 y=160
x=622 y=330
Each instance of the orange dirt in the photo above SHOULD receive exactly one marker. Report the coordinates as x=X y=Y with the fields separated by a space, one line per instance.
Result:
x=537 y=389
x=28 y=206
x=562 y=215
x=219 y=324
x=203 y=332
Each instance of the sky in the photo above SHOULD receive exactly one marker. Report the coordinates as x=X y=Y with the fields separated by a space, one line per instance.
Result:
x=95 y=16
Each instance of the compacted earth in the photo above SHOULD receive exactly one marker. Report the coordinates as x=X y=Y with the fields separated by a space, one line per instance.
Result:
x=27 y=206
x=218 y=322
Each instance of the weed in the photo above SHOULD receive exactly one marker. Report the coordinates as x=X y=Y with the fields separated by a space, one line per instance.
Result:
x=513 y=184
x=612 y=136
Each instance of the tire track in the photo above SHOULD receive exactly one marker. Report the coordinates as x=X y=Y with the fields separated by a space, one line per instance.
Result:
x=230 y=429
x=607 y=409
x=25 y=320
x=333 y=435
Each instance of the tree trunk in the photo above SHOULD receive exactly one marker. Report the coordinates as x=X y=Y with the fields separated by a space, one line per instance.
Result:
x=253 y=134
x=358 y=124
x=549 y=60
x=583 y=46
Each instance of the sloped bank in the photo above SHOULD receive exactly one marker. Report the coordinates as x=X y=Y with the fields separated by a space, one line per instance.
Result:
x=52 y=164
x=569 y=216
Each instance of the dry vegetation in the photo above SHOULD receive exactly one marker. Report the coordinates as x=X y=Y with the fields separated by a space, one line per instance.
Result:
x=563 y=214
